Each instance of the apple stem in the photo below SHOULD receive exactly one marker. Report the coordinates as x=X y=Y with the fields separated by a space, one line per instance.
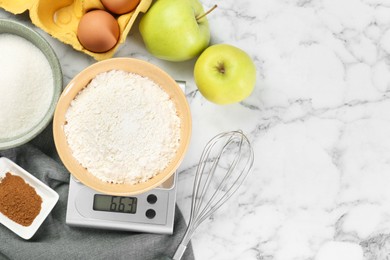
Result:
x=206 y=13
x=221 y=68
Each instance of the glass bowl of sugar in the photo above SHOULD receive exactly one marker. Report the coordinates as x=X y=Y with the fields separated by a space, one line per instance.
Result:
x=122 y=126
x=30 y=83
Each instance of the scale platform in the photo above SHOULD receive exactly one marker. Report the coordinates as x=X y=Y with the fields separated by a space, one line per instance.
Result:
x=149 y=212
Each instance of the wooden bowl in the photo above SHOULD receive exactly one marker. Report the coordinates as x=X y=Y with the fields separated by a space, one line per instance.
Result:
x=79 y=82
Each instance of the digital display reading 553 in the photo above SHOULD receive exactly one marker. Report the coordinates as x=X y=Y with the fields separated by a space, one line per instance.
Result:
x=115 y=203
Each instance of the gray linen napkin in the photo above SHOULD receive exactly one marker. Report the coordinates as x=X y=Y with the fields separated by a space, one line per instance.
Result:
x=56 y=240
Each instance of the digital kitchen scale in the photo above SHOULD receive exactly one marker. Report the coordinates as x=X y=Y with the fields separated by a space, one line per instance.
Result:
x=150 y=212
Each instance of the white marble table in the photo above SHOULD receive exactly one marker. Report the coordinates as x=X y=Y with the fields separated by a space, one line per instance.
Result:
x=319 y=121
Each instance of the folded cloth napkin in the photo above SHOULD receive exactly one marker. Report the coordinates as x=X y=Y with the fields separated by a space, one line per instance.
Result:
x=56 y=240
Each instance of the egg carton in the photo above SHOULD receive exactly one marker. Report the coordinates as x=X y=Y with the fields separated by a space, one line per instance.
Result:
x=60 y=19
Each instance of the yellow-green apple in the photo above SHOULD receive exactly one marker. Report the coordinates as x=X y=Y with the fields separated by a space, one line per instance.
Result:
x=225 y=74
x=172 y=29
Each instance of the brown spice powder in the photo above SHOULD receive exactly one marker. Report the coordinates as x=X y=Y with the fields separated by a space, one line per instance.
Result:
x=18 y=200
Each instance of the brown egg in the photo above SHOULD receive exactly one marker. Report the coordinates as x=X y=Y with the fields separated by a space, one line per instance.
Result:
x=98 y=31
x=120 y=6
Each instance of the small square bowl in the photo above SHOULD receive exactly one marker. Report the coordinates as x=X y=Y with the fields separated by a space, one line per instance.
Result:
x=48 y=195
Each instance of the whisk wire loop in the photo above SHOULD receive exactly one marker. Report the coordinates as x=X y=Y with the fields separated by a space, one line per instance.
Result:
x=206 y=198
x=215 y=201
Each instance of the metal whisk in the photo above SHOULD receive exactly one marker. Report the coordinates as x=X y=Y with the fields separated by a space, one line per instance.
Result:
x=225 y=162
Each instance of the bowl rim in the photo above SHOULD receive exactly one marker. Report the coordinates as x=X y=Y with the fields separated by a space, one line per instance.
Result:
x=80 y=81
x=21 y=30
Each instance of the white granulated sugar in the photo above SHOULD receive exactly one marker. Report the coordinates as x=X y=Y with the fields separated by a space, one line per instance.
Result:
x=26 y=85
x=123 y=127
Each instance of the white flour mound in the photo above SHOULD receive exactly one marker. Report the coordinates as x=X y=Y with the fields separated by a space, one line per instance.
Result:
x=123 y=127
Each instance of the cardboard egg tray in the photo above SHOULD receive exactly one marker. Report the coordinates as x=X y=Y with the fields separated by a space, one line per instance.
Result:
x=60 y=19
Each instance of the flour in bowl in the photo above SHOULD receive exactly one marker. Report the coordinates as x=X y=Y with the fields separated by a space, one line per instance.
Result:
x=123 y=128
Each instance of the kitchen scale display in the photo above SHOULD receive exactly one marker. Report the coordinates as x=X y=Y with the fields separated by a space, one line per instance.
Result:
x=151 y=212
x=116 y=203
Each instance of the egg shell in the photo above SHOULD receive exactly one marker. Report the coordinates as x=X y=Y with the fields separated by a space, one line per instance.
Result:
x=120 y=6
x=98 y=31
x=60 y=19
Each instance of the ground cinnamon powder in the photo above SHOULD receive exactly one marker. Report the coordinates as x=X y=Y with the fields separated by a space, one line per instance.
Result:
x=18 y=200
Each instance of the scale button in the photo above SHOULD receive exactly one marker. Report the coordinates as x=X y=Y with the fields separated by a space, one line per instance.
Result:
x=152 y=198
x=150 y=213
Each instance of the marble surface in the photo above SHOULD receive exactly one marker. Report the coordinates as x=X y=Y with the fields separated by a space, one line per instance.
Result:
x=318 y=120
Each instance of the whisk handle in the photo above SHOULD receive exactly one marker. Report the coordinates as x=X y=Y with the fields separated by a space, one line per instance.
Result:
x=179 y=252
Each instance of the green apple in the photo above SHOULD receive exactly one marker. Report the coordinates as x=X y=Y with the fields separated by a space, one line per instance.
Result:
x=171 y=31
x=225 y=74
